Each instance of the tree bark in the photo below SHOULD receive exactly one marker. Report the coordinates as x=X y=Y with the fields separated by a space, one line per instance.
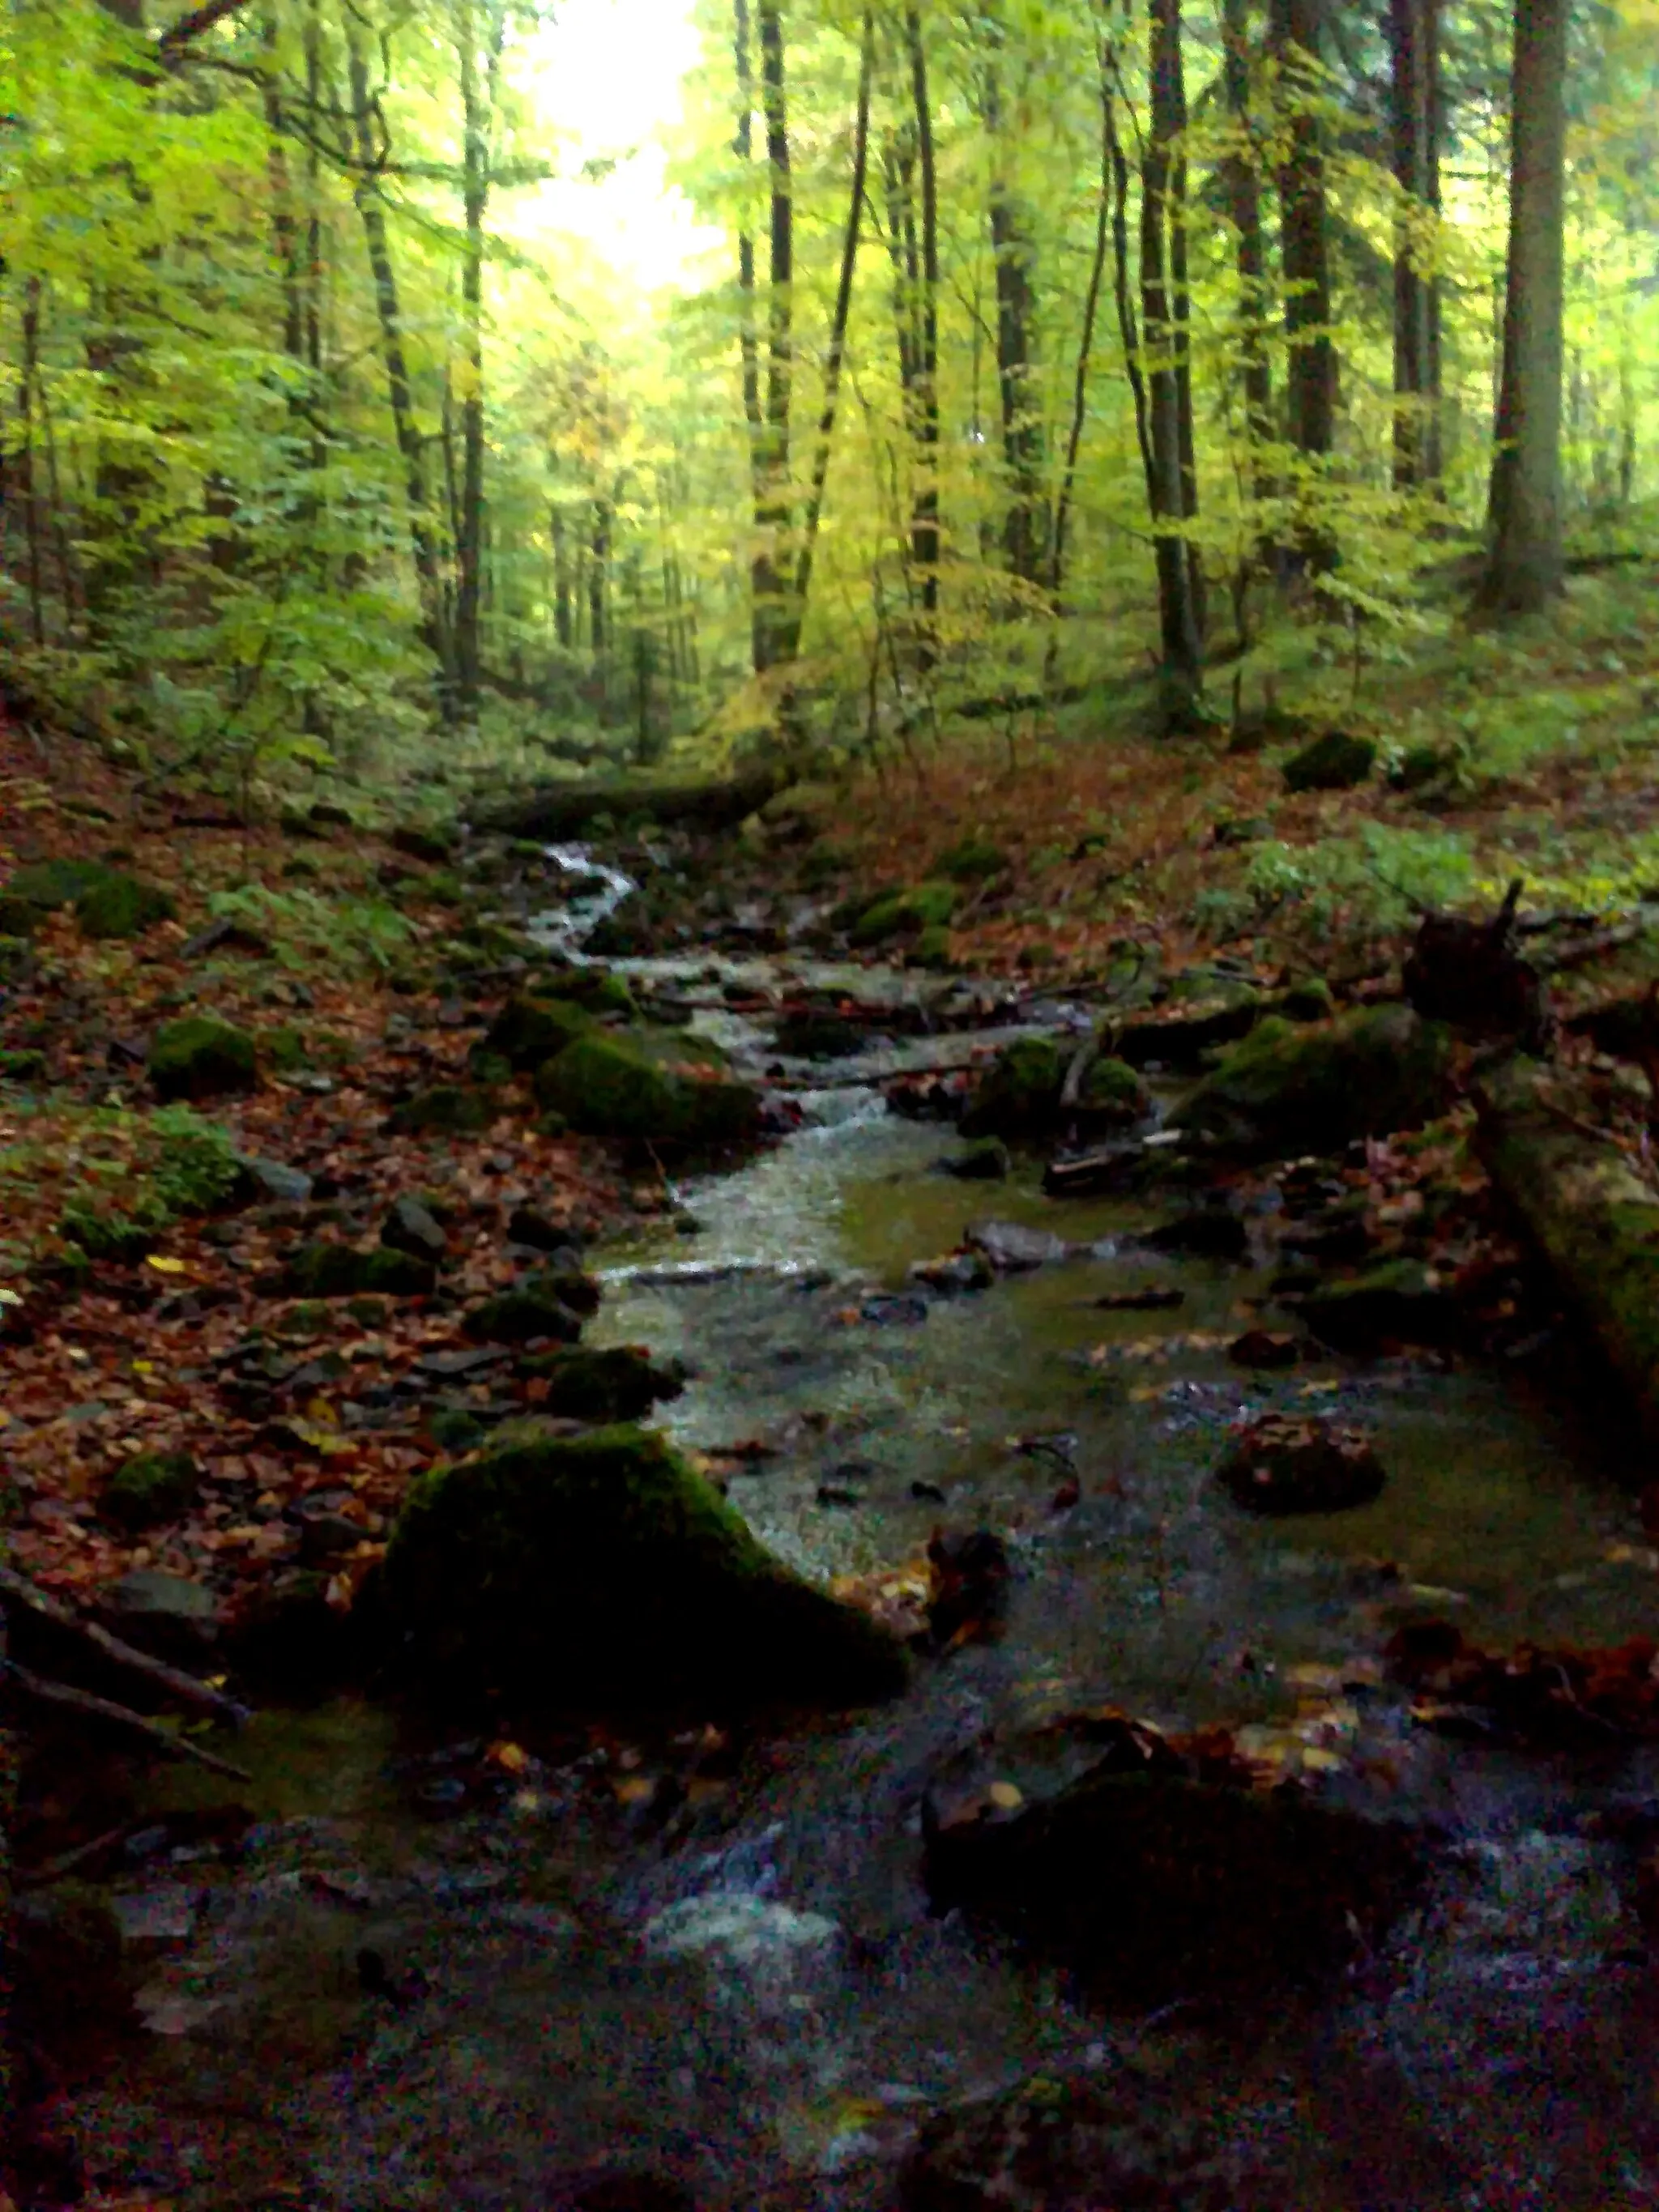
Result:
x=1310 y=370
x=772 y=503
x=1242 y=184
x=925 y=534
x=1415 y=40
x=1171 y=493
x=475 y=107
x=1025 y=526
x=1524 y=562
x=1086 y=340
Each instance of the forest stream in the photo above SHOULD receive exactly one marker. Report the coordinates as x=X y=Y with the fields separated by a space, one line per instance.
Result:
x=750 y=1998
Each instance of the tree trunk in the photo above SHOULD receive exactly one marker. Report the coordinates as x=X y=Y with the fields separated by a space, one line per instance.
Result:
x=1171 y=494
x=1025 y=526
x=749 y=347
x=1086 y=341
x=563 y=628
x=1524 y=562
x=475 y=195
x=598 y=561
x=1414 y=39
x=1310 y=370
x=924 y=538
x=837 y=339
x=399 y=391
x=1241 y=184
x=28 y=377
x=773 y=505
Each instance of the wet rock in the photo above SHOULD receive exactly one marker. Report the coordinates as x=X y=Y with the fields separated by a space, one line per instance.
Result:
x=1180 y=1038
x=1112 y=1094
x=272 y=1179
x=1402 y=1303
x=148 y=1489
x=341 y=1271
x=606 y=1087
x=448 y=1110
x=530 y=1030
x=894 y=1310
x=617 y=1383
x=411 y=1229
x=1081 y=2144
x=1102 y=1168
x=165 y=1614
x=1281 y=1464
x=991 y=1161
x=1013 y=1249
x=602 y=1568
x=519 y=1316
x=1289 y=1090
x=1209 y=1232
x=956 y=1273
x=818 y=1037
x=1334 y=761
x=565 y=1276
x=1153 y=1884
x=1018 y=1095
x=116 y=905
x=525 y=1227
x=899 y=912
x=201 y=1057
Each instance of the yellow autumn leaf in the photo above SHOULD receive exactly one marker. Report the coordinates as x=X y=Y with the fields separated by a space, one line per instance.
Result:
x=510 y=1758
x=319 y=1411
x=165 y=1266
x=1006 y=1797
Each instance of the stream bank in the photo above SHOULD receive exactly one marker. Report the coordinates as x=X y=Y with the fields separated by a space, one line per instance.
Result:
x=716 y=1960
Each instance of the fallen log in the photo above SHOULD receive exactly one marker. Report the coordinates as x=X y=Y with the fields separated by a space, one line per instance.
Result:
x=171 y=1682
x=62 y=1697
x=1584 y=1205
x=563 y=810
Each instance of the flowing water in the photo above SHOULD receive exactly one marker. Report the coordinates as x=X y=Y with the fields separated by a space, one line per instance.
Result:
x=761 y=2002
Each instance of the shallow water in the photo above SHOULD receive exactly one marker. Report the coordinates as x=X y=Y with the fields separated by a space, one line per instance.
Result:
x=765 y=2008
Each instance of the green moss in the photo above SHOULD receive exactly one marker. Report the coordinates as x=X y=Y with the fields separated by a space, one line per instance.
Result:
x=22 y=1067
x=341 y=1271
x=123 y=1234
x=121 y=906
x=520 y=1317
x=425 y=840
x=1019 y=1093
x=148 y=1489
x=1114 y=1092
x=616 y=1384
x=1398 y=1302
x=931 y=950
x=975 y=860
x=201 y=1057
x=528 y=1030
x=604 y=1086
x=599 y=1569
x=596 y=989
x=1334 y=761
x=1288 y=1090
x=49 y=885
x=1311 y=1001
x=195 y=1169
x=286 y=1049
x=448 y=1110
x=924 y=906
x=822 y=863
x=19 y=917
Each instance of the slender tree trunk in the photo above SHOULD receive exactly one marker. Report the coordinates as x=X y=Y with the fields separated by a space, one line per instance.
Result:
x=1524 y=562
x=399 y=391
x=598 y=563
x=749 y=344
x=477 y=103
x=563 y=630
x=1241 y=182
x=1013 y=258
x=925 y=534
x=773 y=502
x=1414 y=38
x=849 y=253
x=1171 y=494
x=1086 y=341
x=1310 y=371
x=28 y=379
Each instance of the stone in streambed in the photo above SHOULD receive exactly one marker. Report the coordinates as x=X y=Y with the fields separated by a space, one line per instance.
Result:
x=530 y=1030
x=1285 y=1463
x=606 y=1087
x=1287 y=1090
x=616 y=1383
x=1013 y=1249
x=818 y=1037
x=899 y=912
x=1402 y=1303
x=341 y=1271
x=579 y=1571
x=148 y=1489
x=991 y=1161
x=410 y=1228
x=1113 y=1095
x=537 y=1308
x=167 y=1615
x=1018 y=1095
x=525 y=1227
x=201 y=1057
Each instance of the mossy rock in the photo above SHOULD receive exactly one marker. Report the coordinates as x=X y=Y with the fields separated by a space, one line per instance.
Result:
x=1419 y=766
x=617 y=1383
x=604 y=1086
x=341 y=1271
x=300 y=868
x=595 y=988
x=148 y=1489
x=119 y=905
x=975 y=860
x=519 y=1316
x=201 y=1057
x=1288 y=1090
x=448 y=1110
x=425 y=840
x=49 y=885
x=1113 y=1094
x=897 y=913
x=27 y=1065
x=1220 y=1014
x=817 y=1036
x=1334 y=762
x=285 y=1048
x=602 y=1569
x=823 y=864
x=1311 y=1001
x=1282 y=1464
x=529 y=1029
x=19 y=917
x=931 y=950
x=116 y=1234
x=1399 y=1303
x=1018 y=1095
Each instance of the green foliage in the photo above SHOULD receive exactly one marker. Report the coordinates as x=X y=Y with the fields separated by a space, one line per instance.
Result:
x=309 y=929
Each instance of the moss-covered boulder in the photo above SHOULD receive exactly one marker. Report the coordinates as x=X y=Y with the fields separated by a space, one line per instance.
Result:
x=448 y=1110
x=1018 y=1095
x=534 y=1311
x=46 y=886
x=818 y=1035
x=599 y=1569
x=1311 y=1000
x=901 y=913
x=341 y=1271
x=1398 y=1302
x=1285 y=1463
x=1289 y=1089
x=596 y=989
x=618 y=1383
x=434 y=841
x=118 y=905
x=605 y=1086
x=201 y=1057
x=1334 y=761
x=975 y=860
x=1180 y=1035
x=148 y=1489
x=528 y=1030
x=933 y=948
x=1587 y=1210
x=1113 y=1095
